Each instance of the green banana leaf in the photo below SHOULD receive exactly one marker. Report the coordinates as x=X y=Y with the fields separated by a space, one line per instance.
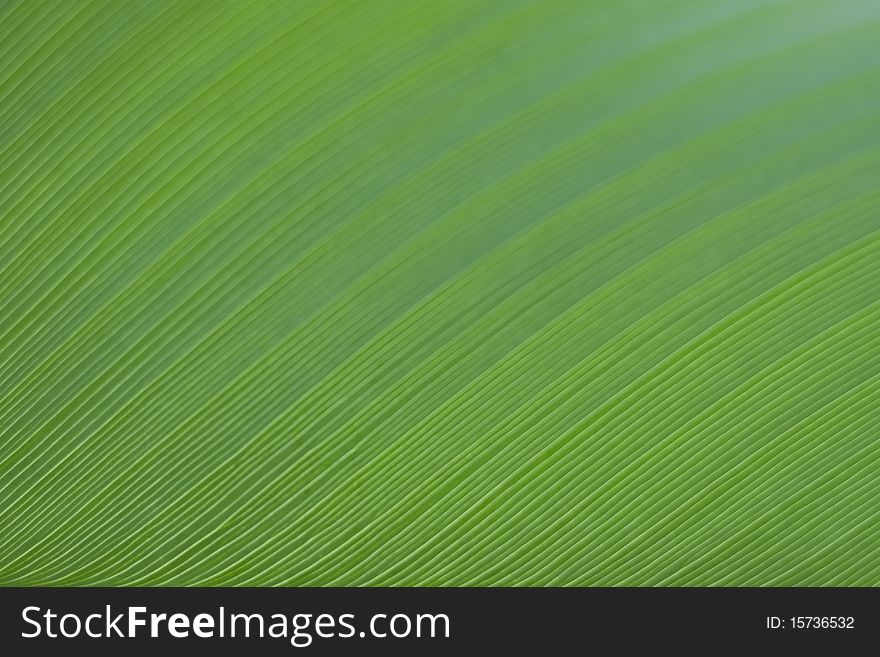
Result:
x=433 y=292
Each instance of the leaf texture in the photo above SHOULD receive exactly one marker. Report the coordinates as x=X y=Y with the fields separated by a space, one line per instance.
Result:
x=499 y=292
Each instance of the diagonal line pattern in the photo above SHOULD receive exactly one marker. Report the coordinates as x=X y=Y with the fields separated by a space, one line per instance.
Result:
x=438 y=293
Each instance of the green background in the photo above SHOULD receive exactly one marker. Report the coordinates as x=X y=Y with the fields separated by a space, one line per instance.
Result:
x=440 y=293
